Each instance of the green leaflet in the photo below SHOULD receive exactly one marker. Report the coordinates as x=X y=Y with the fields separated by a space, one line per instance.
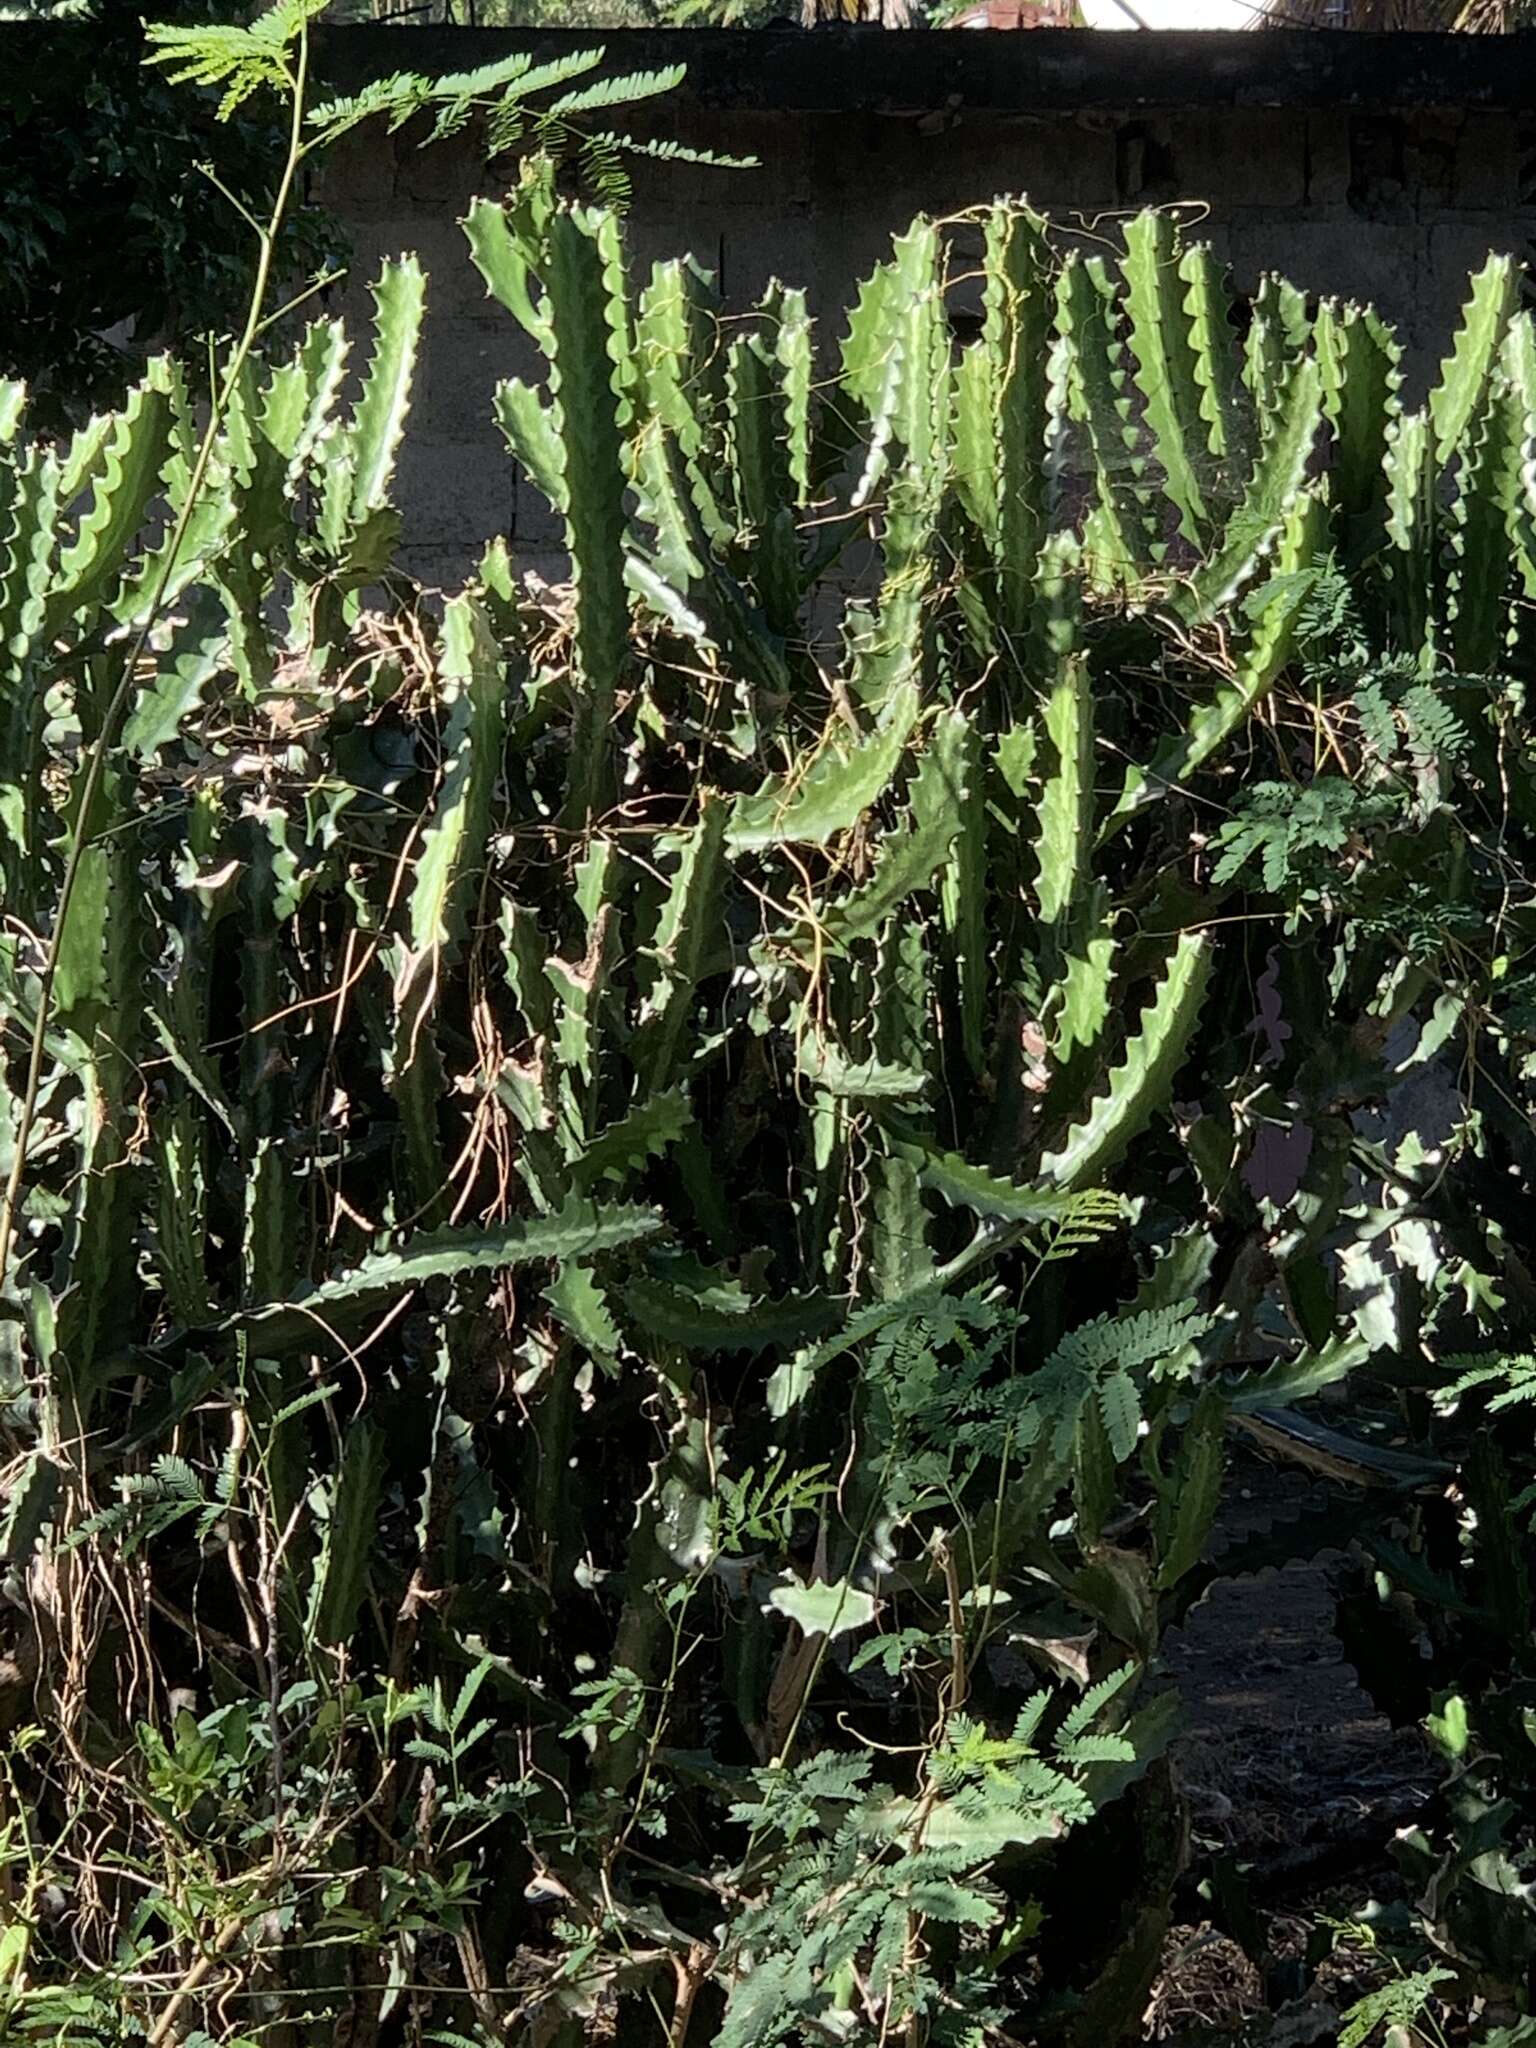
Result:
x=1138 y=1087
x=1456 y=399
x=834 y=792
x=1165 y=363
x=579 y=1230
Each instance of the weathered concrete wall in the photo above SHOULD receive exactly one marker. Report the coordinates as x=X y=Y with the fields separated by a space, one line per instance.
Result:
x=1380 y=168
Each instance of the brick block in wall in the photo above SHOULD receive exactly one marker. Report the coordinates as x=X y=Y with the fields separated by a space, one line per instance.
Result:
x=1326 y=160
x=537 y=529
x=455 y=494
x=1258 y=162
x=1378 y=262
x=460 y=364
x=442 y=177
x=1487 y=164
x=454 y=286
x=947 y=161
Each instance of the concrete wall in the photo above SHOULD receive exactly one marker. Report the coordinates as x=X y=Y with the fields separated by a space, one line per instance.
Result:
x=1380 y=168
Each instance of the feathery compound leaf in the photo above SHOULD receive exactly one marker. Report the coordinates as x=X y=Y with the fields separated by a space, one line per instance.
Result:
x=241 y=60
x=1139 y=1086
x=1120 y=1411
x=613 y=92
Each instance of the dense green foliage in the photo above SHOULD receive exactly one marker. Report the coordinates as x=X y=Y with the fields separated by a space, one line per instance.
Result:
x=112 y=242
x=647 y=1209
